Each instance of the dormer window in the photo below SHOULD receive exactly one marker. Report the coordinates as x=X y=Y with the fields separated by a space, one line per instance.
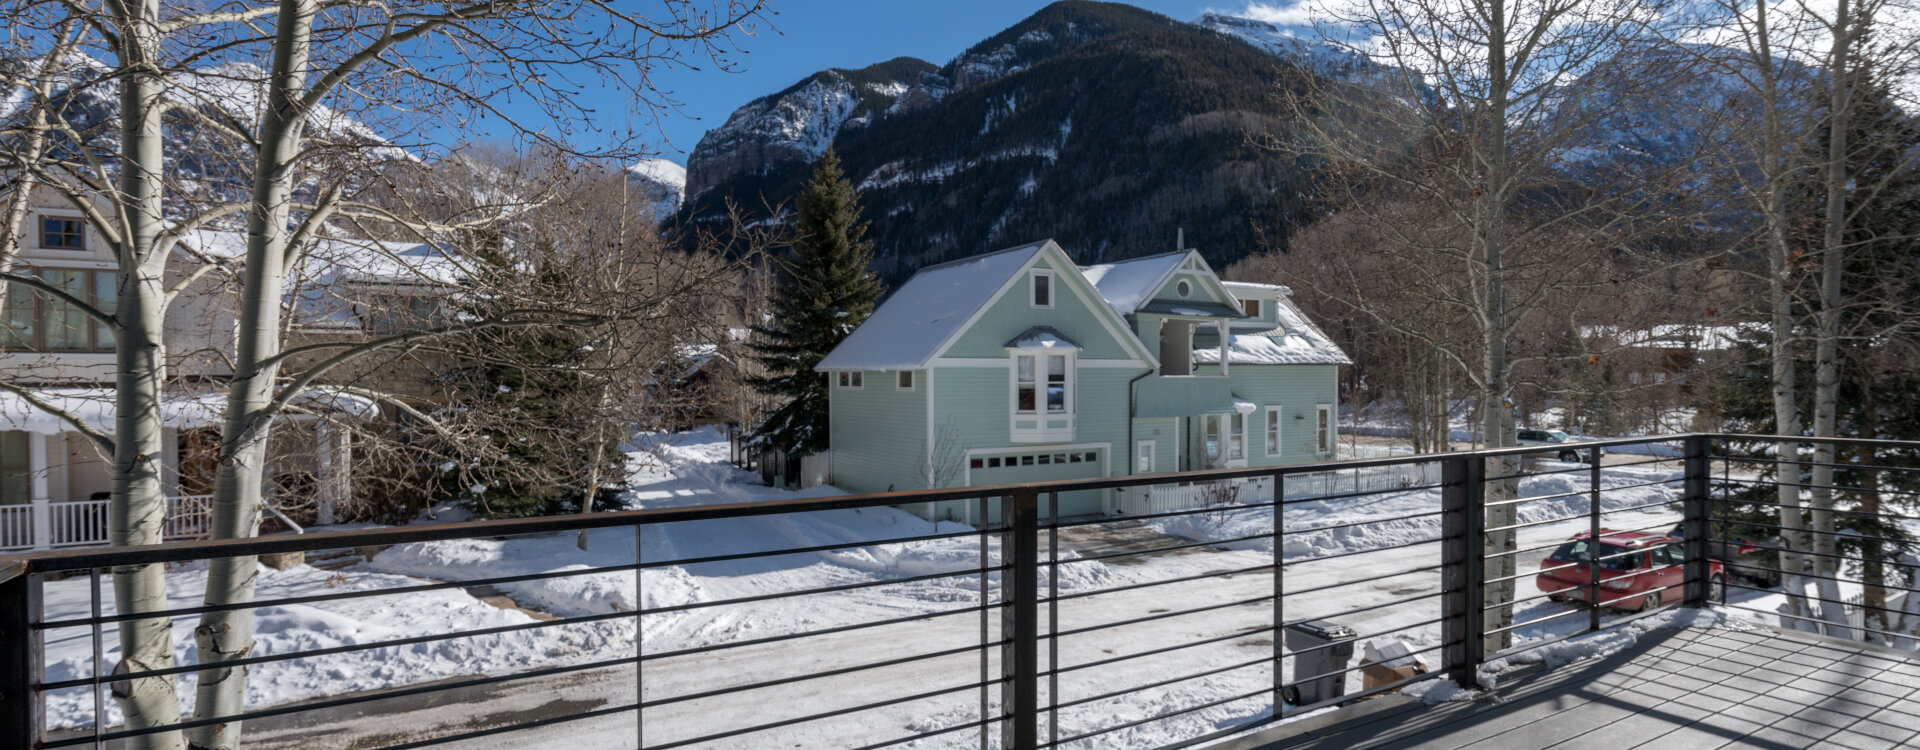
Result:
x=1043 y=289
x=1252 y=307
x=62 y=233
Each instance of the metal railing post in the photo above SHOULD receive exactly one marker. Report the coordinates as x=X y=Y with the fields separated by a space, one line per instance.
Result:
x=1463 y=561
x=1593 y=540
x=1020 y=657
x=22 y=713
x=1279 y=592
x=1697 y=468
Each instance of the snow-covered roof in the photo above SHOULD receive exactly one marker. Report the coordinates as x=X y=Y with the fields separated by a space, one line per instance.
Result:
x=927 y=311
x=1128 y=284
x=1191 y=308
x=1297 y=341
x=1237 y=286
x=95 y=407
x=1042 y=337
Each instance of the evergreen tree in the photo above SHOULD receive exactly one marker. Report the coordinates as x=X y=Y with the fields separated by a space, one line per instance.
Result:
x=826 y=291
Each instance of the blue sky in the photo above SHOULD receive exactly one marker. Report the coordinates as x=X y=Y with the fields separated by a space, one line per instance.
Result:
x=817 y=34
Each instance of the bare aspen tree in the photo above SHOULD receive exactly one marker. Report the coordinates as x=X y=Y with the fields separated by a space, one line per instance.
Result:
x=447 y=61
x=1477 y=112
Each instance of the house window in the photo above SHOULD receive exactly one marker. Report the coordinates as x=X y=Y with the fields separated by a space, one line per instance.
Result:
x=1252 y=307
x=62 y=233
x=1273 y=430
x=1212 y=439
x=852 y=380
x=37 y=321
x=1184 y=288
x=1323 y=436
x=993 y=463
x=1027 y=383
x=1237 y=437
x=905 y=381
x=1042 y=289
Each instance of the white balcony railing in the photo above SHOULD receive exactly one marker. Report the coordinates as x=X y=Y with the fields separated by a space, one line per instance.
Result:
x=83 y=523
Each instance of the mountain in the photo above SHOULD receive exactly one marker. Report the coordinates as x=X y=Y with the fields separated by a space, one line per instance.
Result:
x=1102 y=125
x=664 y=184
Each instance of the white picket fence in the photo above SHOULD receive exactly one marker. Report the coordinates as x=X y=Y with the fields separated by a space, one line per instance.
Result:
x=83 y=523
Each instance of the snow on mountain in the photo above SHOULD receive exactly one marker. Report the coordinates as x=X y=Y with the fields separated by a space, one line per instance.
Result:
x=1301 y=44
x=663 y=182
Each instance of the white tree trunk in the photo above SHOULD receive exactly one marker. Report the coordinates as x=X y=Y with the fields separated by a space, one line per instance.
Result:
x=139 y=504
x=228 y=635
x=1827 y=335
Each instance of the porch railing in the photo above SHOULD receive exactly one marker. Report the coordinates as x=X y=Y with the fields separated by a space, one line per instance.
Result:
x=1019 y=645
x=83 y=523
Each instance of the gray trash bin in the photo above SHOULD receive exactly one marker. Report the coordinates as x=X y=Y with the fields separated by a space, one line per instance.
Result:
x=1320 y=661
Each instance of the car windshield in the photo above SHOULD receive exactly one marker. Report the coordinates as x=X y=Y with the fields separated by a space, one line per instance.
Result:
x=1579 y=550
x=1558 y=436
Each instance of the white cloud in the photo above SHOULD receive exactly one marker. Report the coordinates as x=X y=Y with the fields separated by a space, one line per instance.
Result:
x=1283 y=14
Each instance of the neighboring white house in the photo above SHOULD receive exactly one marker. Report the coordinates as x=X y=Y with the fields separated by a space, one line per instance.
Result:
x=53 y=482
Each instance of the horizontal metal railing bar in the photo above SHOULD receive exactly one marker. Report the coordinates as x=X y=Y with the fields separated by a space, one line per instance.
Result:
x=1581 y=469
x=1534 y=621
x=1728 y=437
x=282 y=710
x=79 y=622
x=1532 y=598
x=1862 y=584
x=1808 y=553
x=1368 y=608
x=1057 y=705
x=1812 y=486
x=1620 y=620
x=975 y=724
x=1317 y=589
x=522 y=726
x=1351 y=553
x=1102 y=520
x=1840 y=533
x=1811 y=462
x=1052 y=670
x=834 y=589
x=662 y=655
x=1400 y=629
x=1305 y=499
x=1642 y=596
x=1523 y=550
x=1723 y=502
x=816 y=717
x=1530 y=574
x=1150 y=584
x=1163 y=616
x=1162 y=717
x=443 y=585
x=1170 y=548
x=1632 y=508
x=1367 y=522
x=1348 y=670
x=1589 y=514
x=763 y=684
x=332 y=650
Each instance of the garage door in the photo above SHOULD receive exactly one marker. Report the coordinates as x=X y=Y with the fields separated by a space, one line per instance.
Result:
x=1044 y=464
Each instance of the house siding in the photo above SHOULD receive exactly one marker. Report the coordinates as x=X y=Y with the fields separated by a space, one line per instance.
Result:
x=1014 y=313
x=879 y=434
x=1298 y=389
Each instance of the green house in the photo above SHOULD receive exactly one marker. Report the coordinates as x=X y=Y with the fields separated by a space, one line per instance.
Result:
x=1020 y=366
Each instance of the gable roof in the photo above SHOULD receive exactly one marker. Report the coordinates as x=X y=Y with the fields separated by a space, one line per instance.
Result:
x=1129 y=285
x=925 y=313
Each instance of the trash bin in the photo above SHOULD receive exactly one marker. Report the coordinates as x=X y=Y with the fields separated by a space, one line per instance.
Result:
x=1320 y=661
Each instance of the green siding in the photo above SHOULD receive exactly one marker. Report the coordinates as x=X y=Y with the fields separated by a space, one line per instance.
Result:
x=1204 y=288
x=1014 y=313
x=880 y=434
x=1166 y=446
x=1183 y=396
x=1298 y=389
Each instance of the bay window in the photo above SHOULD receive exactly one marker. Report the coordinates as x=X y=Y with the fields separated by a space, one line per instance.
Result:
x=1043 y=396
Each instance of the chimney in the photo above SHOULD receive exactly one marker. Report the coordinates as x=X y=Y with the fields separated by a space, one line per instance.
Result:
x=1180 y=239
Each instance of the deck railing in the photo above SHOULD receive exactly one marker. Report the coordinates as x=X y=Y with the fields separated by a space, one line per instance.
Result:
x=1017 y=644
x=83 y=523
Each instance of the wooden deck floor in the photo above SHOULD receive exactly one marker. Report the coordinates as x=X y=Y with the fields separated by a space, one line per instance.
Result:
x=1674 y=690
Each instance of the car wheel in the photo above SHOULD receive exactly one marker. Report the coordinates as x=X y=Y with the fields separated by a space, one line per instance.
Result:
x=1651 y=603
x=1717 y=590
x=1570 y=457
x=1290 y=694
x=1557 y=598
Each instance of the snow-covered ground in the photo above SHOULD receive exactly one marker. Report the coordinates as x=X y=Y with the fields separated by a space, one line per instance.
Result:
x=1364 y=562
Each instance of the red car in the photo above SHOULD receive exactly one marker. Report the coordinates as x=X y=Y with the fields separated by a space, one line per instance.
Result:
x=1634 y=566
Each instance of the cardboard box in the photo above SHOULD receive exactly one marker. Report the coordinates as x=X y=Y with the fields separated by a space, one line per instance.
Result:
x=1387 y=664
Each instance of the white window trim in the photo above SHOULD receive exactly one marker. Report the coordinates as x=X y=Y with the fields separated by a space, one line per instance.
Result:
x=852 y=380
x=86 y=231
x=910 y=378
x=1033 y=287
x=1274 y=429
x=1226 y=431
x=1332 y=437
x=1145 y=449
x=1070 y=400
